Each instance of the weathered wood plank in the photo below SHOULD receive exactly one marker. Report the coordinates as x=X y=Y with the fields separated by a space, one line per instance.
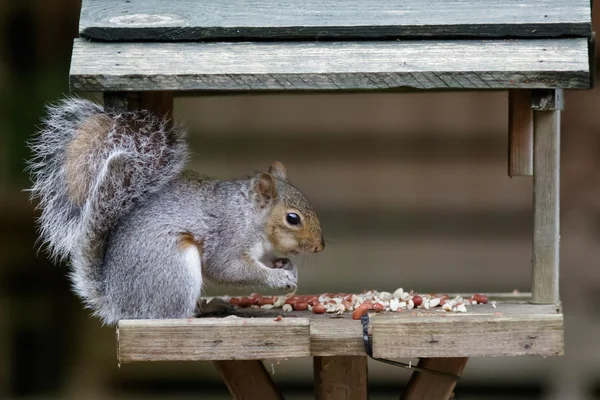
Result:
x=341 y=378
x=447 y=335
x=546 y=205
x=501 y=331
x=213 y=339
x=424 y=386
x=179 y=20
x=248 y=380
x=520 y=133
x=336 y=337
x=330 y=66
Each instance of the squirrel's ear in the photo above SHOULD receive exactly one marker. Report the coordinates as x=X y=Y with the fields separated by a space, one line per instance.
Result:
x=278 y=170
x=265 y=189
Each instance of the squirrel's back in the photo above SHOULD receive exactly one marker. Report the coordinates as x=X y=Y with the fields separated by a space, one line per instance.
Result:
x=90 y=168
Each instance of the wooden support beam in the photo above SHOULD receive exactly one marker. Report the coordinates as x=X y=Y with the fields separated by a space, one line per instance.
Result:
x=426 y=386
x=520 y=133
x=330 y=66
x=116 y=101
x=340 y=378
x=160 y=103
x=248 y=380
x=546 y=203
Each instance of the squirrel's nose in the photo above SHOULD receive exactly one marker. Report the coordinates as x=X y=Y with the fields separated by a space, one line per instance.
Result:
x=321 y=246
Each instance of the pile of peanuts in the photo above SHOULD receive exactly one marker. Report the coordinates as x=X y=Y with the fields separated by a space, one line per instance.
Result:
x=360 y=304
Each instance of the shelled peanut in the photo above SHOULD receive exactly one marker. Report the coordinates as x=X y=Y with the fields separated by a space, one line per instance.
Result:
x=362 y=303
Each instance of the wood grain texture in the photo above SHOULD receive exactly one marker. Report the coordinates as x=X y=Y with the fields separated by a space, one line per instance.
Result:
x=468 y=336
x=117 y=101
x=423 y=386
x=501 y=331
x=248 y=380
x=336 y=337
x=160 y=103
x=520 y=133
x=546 y=207
x=341 y=378
x=330 y=66
x=180 y=20
x=213 y=339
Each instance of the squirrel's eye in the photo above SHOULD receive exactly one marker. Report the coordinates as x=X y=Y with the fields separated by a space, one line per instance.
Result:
x=293 y=219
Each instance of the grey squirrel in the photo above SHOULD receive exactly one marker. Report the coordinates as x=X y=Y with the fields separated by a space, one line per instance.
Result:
x=140 y=232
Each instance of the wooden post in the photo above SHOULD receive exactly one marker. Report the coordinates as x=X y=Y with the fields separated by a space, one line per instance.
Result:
x=160 y=103
x=340 y=378
x=425 y=386
x=248 y=380
x=520 y=133
x=547 y=105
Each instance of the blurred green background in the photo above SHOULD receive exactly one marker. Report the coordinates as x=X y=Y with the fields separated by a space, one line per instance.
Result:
x=412 y=190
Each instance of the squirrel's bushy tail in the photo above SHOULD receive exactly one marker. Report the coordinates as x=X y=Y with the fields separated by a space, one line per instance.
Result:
x=89 y=169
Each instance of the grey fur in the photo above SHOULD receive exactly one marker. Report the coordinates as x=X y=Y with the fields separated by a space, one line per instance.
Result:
x=123 y=237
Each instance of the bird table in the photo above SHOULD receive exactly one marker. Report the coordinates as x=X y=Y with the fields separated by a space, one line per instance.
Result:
x=141 y=54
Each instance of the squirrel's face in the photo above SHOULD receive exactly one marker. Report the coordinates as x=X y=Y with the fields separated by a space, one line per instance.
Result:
x=292 y=231
x=292 y=225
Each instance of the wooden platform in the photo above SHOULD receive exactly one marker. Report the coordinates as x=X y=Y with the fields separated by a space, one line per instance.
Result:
x=513 y=328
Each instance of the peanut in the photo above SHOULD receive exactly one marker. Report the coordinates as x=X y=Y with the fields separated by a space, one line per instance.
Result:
x=479 y=298
x=313 y=301
x=434 y=302
x=360 y=311
x=246 y=302
x=300 y=306
x=417 y=300
x=261 y=301
x=318 y=308
x=287 y=308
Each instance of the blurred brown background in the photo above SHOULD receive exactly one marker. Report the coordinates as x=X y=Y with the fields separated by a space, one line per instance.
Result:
x=412 y=190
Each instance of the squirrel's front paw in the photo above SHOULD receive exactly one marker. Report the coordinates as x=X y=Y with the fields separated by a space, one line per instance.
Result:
x=284 y=275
